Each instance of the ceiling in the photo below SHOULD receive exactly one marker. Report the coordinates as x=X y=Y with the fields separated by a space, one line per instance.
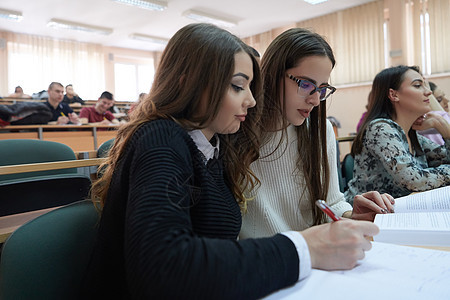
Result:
x=253 y=17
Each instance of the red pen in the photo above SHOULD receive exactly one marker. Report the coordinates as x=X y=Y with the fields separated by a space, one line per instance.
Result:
x=326 y=209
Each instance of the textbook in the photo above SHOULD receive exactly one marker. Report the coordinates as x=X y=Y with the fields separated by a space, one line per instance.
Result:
x=421 y=219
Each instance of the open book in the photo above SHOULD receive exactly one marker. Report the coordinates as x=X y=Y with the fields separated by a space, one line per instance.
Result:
x=419 y=219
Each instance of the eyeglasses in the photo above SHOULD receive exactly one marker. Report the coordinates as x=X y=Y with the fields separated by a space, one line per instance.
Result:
x=307 y=88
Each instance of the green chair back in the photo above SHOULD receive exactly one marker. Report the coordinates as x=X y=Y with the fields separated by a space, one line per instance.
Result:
x=347 y=168
x=103 y=150
x=40 y=192
x=26 y=151
x=47 y=257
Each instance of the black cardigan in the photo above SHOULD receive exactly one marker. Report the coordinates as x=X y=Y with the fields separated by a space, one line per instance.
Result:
x=169 y=229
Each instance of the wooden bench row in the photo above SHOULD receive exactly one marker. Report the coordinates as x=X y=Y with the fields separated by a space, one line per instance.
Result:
x=78 y=137
x=11 y=222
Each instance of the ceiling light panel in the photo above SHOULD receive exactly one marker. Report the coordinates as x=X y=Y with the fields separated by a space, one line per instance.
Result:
x=314 y=2
x=11 y=15
x=208 y=18
x=145 y=4
x=61 y=24
x=148 y=38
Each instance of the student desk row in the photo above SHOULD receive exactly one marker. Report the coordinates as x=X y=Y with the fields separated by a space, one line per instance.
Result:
x=11 y=222
x=346 y=138
x=122 y=106
x=13 y=100
x=78 y=137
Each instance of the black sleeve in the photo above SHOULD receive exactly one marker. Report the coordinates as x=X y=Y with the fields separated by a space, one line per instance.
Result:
x=66 y=108
x=164 y=258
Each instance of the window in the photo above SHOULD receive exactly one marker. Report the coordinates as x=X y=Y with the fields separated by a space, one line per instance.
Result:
x=357 y=38
x=132 y=79
x=425 y=43
x=430 y=24
x=34 y=62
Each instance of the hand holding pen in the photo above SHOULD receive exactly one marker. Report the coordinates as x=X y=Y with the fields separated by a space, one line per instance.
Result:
x=338 y=245
x=327 y=210
x=62 y=120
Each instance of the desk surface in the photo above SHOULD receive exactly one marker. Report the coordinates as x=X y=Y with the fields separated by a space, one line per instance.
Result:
x=68 y=126
x=8 y=224
x=346 y=138
x=440 y=248
x=78 y=137
x=11 y=222
x=87 y=103
x=53 y=165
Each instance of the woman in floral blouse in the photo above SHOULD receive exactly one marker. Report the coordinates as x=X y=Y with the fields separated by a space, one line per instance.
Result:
x=389 y=156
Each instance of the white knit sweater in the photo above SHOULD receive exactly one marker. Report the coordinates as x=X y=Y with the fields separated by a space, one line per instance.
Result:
x=281 y=202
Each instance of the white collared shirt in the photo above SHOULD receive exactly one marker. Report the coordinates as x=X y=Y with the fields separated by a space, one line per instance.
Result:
x=206 y=148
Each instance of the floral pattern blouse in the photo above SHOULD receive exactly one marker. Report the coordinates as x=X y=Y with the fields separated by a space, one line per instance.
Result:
x=385 y=163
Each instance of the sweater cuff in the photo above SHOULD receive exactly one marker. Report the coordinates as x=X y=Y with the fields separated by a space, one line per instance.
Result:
x=304 y=258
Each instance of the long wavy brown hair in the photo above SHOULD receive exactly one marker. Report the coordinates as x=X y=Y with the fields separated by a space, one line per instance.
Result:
x=196 y=66
x=287 y=51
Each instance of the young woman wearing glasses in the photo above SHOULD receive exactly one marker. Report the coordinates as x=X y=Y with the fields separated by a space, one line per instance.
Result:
x=297 y=163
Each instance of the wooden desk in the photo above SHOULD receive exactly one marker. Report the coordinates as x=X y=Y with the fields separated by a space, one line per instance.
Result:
x=346 y=138
x=86 y=154
x=56 y=165
x=441 y=248
x=10 y=223
x=13 y=100
x=77 y=137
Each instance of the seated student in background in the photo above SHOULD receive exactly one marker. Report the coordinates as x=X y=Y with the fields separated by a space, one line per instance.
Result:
x=18 y=93
x=142 y=96
x=440 y=97
x=170 y=218
x=298 y=162
x=389 y=155
x=99 y=114
x=62 y=113
x=436 y=108
x=363 y=116
x=115 y=110
x=71 y=97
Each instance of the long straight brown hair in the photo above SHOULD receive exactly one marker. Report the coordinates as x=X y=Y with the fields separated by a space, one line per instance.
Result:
x=196 y=66
x=287 y=51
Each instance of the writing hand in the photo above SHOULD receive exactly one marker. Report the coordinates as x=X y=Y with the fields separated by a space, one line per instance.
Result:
x=105 y=122
x=74 y=118
x=339 y=245
x=62 y=120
